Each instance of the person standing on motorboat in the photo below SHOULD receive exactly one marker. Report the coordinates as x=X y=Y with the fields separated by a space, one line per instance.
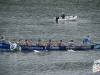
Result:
x=63 y=16
x=57 y=17
x=86 y=40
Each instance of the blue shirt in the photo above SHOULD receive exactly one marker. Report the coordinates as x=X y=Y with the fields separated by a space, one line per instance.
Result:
x=70 y=45
x=86 y=39
x=48 y=46
x=3 y=41
x=37 y=44
x=59 y=45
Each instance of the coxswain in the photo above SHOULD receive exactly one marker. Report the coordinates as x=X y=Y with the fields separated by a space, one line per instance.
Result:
x=86 y=40
x=3 y=40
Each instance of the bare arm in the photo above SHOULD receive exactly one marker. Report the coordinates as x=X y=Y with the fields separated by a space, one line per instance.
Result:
x=41 y=44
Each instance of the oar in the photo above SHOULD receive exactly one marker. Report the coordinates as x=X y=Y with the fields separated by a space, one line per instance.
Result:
x=94 y=43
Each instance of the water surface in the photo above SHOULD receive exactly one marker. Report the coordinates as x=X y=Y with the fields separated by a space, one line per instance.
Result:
x=34 y=19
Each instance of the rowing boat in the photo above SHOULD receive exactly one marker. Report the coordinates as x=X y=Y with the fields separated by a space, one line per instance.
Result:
x=7 y=47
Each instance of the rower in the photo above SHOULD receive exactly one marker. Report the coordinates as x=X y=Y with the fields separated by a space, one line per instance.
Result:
x=19 y=42
x=39 y=43
x=14 y=41
x=71 y=44
x=61 y=45
x=48 y=44
x=57 y=17
x=29 y=42
x=25 y=42
x=86 y=40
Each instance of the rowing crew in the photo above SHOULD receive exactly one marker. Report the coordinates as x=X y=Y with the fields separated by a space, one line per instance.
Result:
x=49 y=43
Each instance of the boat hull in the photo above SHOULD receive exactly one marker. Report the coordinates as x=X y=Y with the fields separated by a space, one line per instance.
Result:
x=63 y=48
x=67 y=18
x=6 y=47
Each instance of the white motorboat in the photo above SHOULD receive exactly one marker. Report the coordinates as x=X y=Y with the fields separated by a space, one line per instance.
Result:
x=67 y=18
